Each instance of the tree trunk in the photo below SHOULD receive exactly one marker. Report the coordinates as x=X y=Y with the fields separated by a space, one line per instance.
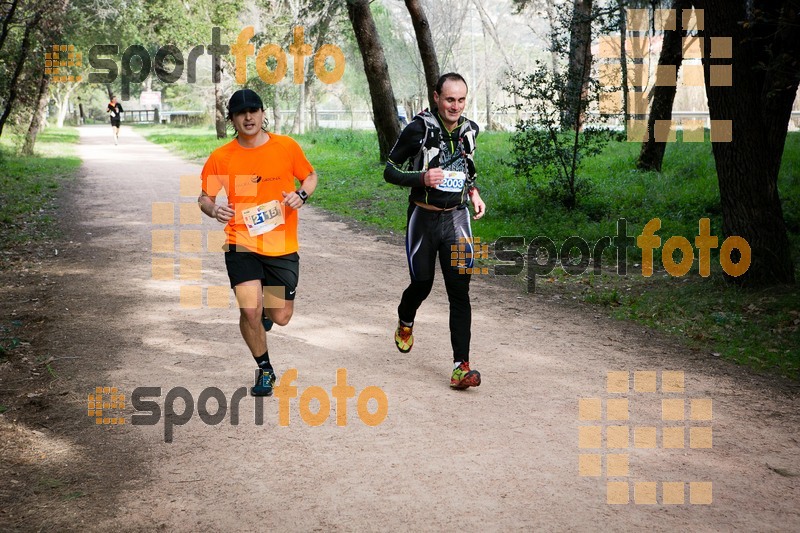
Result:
x=552 y=18
x=36 y=119
x=7 y=22
x=623 y=57
x=21 y=59
x=758 y=104
x=348 y=107
x=490 y=28
x=312 y=111
x=487 y=81
x=490 y=124
x=307 y=88
x=276 y=112
x=652 y=154
x=427 y=50
x=219 y=112
x=384 y=106
x=63 y=105
x=301 y=108
x=580 y=65
x=640 y=49
x=298 y=126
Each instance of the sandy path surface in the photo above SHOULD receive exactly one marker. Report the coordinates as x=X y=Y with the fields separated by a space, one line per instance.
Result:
x=504 y=456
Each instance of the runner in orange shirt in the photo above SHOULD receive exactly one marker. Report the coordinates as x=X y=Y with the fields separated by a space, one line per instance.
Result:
x=257 y=172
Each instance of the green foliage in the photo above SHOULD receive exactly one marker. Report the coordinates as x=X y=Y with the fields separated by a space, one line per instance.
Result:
x=541 y=147
x=8 y=339
x=351 y=181
x=405 y=66
x=606 y=297
x=28 y=186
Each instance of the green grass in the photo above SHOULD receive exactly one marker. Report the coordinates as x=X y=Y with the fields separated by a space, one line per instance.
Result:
x=351 y=179
x=686 y=191
x=192 y=142
x=755 y=328
x=759 y=329
x=28 y=185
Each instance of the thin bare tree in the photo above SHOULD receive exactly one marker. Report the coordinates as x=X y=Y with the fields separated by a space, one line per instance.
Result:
x=651 y=156
x=384 y=106
x=427 y=50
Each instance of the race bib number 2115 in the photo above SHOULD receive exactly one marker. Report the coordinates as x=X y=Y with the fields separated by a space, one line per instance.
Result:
x=263 y=218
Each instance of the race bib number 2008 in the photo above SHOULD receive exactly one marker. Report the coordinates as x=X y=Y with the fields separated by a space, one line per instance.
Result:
x=453 y=181
x=263 y=218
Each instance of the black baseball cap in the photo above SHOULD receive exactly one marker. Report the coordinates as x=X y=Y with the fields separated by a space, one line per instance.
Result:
x=244 y=99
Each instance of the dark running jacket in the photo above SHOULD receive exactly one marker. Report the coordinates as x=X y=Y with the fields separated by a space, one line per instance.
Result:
x=425 y=143
x=115 y=111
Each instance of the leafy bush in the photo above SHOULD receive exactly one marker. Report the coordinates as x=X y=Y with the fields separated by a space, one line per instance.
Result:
x=542 y=147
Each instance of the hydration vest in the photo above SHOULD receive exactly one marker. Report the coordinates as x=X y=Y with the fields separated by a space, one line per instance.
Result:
x=431 y=150
x=436 y=152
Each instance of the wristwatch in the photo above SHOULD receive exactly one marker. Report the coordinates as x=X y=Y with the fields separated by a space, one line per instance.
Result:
x=302 y=194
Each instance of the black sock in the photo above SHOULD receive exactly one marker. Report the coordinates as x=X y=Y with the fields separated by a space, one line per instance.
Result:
x=263 y=361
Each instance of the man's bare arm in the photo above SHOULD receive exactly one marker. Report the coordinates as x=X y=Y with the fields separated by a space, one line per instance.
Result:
x=309 y=185
x=208 y=206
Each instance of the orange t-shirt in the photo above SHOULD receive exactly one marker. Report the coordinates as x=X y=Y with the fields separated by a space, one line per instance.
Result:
x=253 y=176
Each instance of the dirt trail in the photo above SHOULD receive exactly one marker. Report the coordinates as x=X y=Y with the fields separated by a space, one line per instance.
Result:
x=501 y=457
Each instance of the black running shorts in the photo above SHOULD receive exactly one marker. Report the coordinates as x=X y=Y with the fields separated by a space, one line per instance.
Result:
x=281 y=271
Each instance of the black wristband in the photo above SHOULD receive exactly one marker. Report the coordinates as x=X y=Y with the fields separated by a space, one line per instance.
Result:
x=302 y=194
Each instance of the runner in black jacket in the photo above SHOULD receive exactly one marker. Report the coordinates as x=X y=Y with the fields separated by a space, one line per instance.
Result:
x=115 y=112
x=433 y=156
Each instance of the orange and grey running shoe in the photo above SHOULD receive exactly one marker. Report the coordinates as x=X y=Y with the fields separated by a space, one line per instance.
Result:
x=463 y=377
x=403 y=337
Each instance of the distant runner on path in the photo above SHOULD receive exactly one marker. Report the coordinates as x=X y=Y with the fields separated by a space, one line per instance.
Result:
x=115 y=111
